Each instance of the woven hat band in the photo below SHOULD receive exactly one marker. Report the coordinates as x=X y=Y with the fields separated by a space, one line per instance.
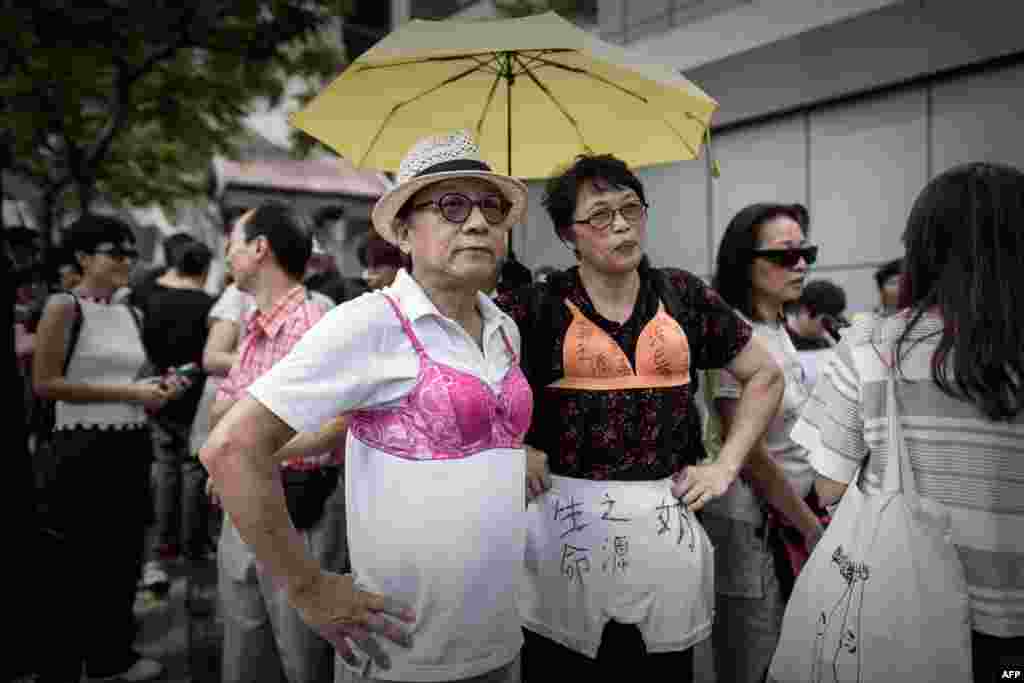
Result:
x=455 y=165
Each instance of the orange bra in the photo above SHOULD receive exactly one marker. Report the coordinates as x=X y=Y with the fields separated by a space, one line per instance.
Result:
x=592 y=360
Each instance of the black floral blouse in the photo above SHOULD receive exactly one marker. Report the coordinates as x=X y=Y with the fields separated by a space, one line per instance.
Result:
x=629 y=434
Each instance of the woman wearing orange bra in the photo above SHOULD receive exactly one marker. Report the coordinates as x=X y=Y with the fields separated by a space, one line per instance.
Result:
x=619 y=574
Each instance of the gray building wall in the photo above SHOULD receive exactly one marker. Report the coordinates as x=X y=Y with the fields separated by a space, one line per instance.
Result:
x=852 y=120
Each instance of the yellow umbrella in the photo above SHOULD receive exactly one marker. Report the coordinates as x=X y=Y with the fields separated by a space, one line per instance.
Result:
x=536 y=91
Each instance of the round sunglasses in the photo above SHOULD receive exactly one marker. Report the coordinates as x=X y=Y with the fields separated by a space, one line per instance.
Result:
x=456 y=207
x=789 y=258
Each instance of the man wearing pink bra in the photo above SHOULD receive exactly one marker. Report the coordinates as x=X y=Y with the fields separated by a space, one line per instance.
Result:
x=619 y=571
x=427 y=373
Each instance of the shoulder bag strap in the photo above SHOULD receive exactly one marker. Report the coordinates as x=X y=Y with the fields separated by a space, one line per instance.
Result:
x=76 y=332
x=899 y=476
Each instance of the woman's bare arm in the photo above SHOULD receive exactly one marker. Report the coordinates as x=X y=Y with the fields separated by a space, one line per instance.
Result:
x=49 y=382
x=769 y=481
x=829 y=490
x=763 y=384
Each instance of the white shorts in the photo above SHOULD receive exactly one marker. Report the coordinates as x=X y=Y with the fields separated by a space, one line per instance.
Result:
x=622 y=550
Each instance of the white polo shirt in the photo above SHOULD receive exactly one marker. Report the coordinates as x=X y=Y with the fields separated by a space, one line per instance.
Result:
x=446 y=536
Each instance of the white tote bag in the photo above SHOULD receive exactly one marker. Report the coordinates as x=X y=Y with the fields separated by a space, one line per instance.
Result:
x=883 y=596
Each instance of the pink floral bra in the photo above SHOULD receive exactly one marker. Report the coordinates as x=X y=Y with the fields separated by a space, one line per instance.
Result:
x=449 y=413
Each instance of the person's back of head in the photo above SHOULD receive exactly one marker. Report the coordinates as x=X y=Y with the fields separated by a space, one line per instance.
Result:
x=820 y=310
x=328 y=215
x=964 y=258
x=290 y=242
x=194 y=260
x=888 y=278
x=174 y=246
x=513 y=275
x=823 y=297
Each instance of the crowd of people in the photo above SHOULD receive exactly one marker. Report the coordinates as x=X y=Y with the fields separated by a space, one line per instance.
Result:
x=454 y=469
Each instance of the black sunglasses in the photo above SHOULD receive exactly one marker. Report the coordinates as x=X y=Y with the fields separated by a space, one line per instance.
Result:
x=118 y=251
x=789 y=258
x=456 y=207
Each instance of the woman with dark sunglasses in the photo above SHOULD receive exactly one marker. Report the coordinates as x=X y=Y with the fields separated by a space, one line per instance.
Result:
x=618 y=568
x=762 y=264
x=88 y=358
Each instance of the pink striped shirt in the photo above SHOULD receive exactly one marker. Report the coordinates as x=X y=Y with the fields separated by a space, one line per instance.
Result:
x=268 y=338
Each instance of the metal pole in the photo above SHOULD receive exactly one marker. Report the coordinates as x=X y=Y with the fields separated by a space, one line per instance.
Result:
x=508 y=108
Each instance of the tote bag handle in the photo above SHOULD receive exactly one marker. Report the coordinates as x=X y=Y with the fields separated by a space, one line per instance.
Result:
x=899 y=476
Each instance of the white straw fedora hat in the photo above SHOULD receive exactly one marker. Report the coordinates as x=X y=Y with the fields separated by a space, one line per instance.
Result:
x=438 y=158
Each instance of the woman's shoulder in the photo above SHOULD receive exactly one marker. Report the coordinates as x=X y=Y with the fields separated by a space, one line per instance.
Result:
x=64 y=304
x=874 y=329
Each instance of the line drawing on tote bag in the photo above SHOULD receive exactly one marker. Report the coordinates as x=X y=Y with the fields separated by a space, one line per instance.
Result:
x=855 y=574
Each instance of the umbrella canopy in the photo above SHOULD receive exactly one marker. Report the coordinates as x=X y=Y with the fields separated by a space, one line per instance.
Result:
x=536 y=91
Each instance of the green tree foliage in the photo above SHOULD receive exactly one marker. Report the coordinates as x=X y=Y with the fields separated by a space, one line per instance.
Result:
x=522 y=8
x=130 y=99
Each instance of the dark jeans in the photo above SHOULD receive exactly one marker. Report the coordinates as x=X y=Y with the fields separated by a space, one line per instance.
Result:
x=622 y=656
x=989 y=655
x=102 y=506
x=179 y=491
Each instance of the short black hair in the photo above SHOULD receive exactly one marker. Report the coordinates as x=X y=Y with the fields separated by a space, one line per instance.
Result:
x=174 y=246
x=823 y=297
x=732 y=279
x=886 y=271
x=289 y=241
x=194 y=259
x=58 y=258
x=561 y=191
x=92 y=230
x=328 y=214
x=513 y=275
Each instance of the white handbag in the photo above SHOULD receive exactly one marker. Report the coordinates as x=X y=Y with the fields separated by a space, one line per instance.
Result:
x=882 y=597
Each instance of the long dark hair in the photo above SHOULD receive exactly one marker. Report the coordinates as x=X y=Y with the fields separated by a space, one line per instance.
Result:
x=965 y=255
x=732 y=279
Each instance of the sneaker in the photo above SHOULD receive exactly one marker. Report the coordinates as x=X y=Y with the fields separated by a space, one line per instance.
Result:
x=142 y=670
x=154 y=577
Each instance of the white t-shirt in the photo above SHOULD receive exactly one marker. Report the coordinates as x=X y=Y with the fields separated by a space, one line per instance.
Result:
x=446 y=536
x=740 y=502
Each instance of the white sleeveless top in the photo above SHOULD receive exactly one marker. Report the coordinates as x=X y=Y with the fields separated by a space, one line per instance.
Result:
x=109 y=351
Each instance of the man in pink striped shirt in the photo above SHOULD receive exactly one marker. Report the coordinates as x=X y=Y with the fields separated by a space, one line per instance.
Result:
x=267 y=254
